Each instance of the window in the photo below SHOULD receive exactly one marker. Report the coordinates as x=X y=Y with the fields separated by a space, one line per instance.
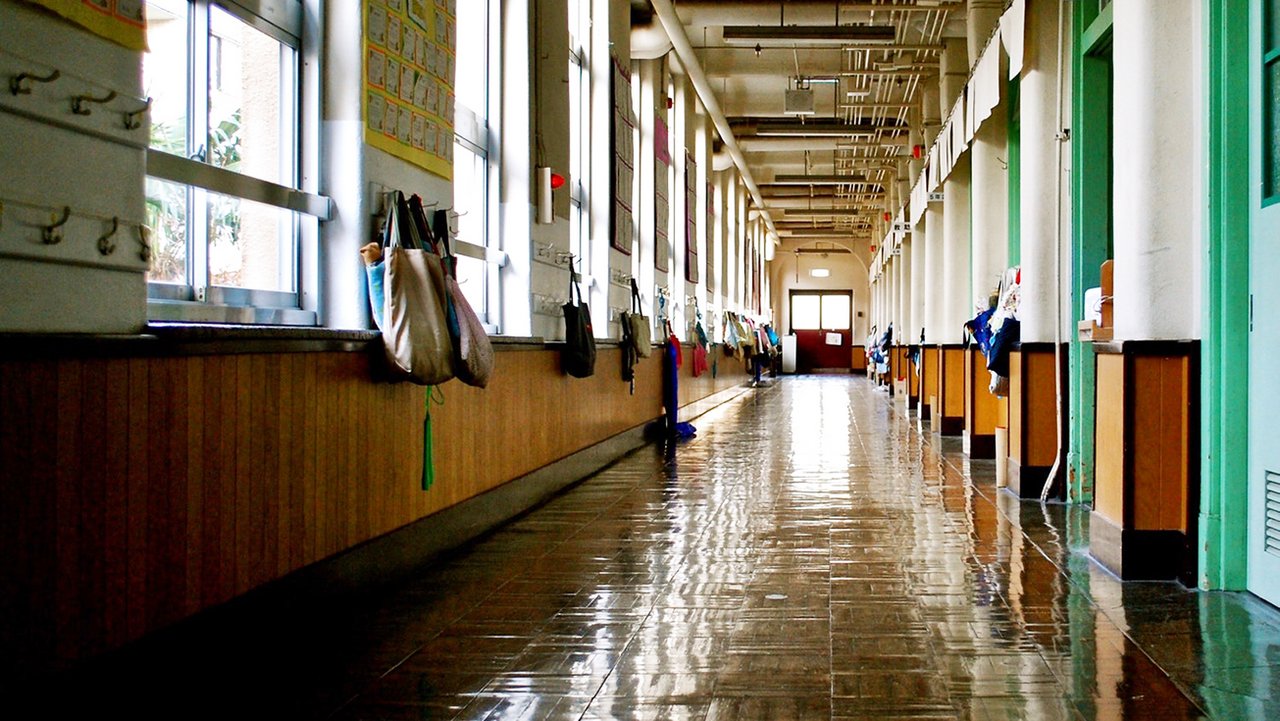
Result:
x=812 y=310
x=474 y=172
x=1271 y=100
x=580 y=132
x=223 y=195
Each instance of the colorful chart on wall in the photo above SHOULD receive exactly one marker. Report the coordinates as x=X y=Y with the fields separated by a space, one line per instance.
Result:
x=711 y=225
x=691 y=266
x=661 y=194
x=410 y=55
x=120 y=21
x=624 y=172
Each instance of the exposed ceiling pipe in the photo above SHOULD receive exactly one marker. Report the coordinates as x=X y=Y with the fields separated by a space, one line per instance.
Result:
x=675 y=32
x=799 y=12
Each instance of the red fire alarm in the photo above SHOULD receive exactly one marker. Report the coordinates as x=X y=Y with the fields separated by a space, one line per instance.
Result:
x=917 y=151
x=888 y=216
x=873 y=249
x=557 y=180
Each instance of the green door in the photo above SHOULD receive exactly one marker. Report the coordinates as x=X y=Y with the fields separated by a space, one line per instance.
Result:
x=1264 y=326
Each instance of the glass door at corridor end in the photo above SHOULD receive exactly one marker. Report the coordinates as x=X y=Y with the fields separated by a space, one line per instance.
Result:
x=1264 y=322
x=822 y=324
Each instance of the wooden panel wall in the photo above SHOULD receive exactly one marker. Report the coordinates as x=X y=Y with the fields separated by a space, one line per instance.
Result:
x=931 y=371
x=1109 y=427
x=137 y=491
x=729 y=372
x=981 y=409
x=1041 y=428
x=952 y=382
x=1161 y=453
x=1015 y=406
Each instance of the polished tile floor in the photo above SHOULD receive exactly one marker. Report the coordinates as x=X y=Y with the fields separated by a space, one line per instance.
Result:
x=810 y=555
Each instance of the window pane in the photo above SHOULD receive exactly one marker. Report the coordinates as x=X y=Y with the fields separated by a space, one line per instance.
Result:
x=470 y=174
x=251 y=101
x=164 y=74
x=251 y=245
x=1272 y=139
x=1272 y=41
x=167 y=218
x=835 y=312
x=804 y=312
x=471 y=82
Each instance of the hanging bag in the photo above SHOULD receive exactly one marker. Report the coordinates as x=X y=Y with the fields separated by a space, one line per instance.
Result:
x=579 y=356
x=641 y=328
x=415 y=333
x=474 y=352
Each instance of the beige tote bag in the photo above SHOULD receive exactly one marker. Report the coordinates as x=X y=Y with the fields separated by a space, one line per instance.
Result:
x=416 y=327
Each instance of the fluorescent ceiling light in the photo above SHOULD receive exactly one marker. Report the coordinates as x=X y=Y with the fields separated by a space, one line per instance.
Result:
x=820 y=272
x=789 y=35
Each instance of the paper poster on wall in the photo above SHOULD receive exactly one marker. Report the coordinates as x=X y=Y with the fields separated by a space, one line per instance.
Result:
x=691 y=265
x=121 y=21
x=662 y=194
x=410 y=51
x=623 y=128
x=711 y=224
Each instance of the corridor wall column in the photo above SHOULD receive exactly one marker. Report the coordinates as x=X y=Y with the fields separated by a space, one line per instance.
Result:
x=1033 y=431
x=1144 y=517
x=931 y=247
x=955 y=256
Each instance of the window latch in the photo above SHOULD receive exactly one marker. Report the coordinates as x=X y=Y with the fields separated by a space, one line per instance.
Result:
x=198 y=155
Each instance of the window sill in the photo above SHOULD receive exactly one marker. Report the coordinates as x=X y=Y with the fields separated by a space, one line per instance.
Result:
x=163 y=338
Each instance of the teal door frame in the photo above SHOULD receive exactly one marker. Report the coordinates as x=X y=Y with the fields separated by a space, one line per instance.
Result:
x=1090 y=220
x=1224 y=402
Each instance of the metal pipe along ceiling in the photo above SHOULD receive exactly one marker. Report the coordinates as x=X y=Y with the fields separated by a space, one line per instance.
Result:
x=675 y=32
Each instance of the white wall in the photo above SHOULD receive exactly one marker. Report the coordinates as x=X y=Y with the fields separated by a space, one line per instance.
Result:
x=1157 y=236
x=848 y=272
x=69 y=286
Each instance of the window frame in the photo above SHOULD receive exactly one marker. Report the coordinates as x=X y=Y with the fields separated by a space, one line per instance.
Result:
x=474 y=134
x=198 y=299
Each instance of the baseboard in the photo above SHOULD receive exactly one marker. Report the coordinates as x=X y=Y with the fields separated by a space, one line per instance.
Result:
x=950 y=426
x=1026 y=482
x=1138 y=555
x=978 y=445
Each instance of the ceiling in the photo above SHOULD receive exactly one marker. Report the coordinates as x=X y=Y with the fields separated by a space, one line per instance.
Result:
x=866 y=94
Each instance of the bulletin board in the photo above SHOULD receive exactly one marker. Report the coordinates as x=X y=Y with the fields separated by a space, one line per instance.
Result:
x=661 y=194
x=691 y=267
x=711 y=229
x=410 y=51
x=120 y=21
x=624 y=160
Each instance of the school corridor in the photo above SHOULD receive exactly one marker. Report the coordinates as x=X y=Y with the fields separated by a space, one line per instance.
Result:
x=809 y=555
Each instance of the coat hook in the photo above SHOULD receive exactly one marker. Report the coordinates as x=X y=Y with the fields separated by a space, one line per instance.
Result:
x=52 y=234
x=106 y=245
x=79 y=101
x=144 y=243
x=133 y=121
x=20 y=84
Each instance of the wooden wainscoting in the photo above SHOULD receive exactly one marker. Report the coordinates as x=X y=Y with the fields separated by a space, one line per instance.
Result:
x=951 y=385
x=1033 y=410
x=1147 y=459
x=981 y=408
x=139 y=490
x=929 y=374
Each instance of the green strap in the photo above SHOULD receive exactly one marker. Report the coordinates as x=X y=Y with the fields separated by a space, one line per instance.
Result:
x=428 y=464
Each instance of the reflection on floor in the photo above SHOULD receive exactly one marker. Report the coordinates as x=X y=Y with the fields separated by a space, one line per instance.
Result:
x=808 y=556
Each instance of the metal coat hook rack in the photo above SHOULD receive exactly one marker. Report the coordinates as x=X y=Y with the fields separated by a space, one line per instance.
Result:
x=52 y=234
x=20 y=84
x=107 y=246
x=80 y=103
x=133 y=120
